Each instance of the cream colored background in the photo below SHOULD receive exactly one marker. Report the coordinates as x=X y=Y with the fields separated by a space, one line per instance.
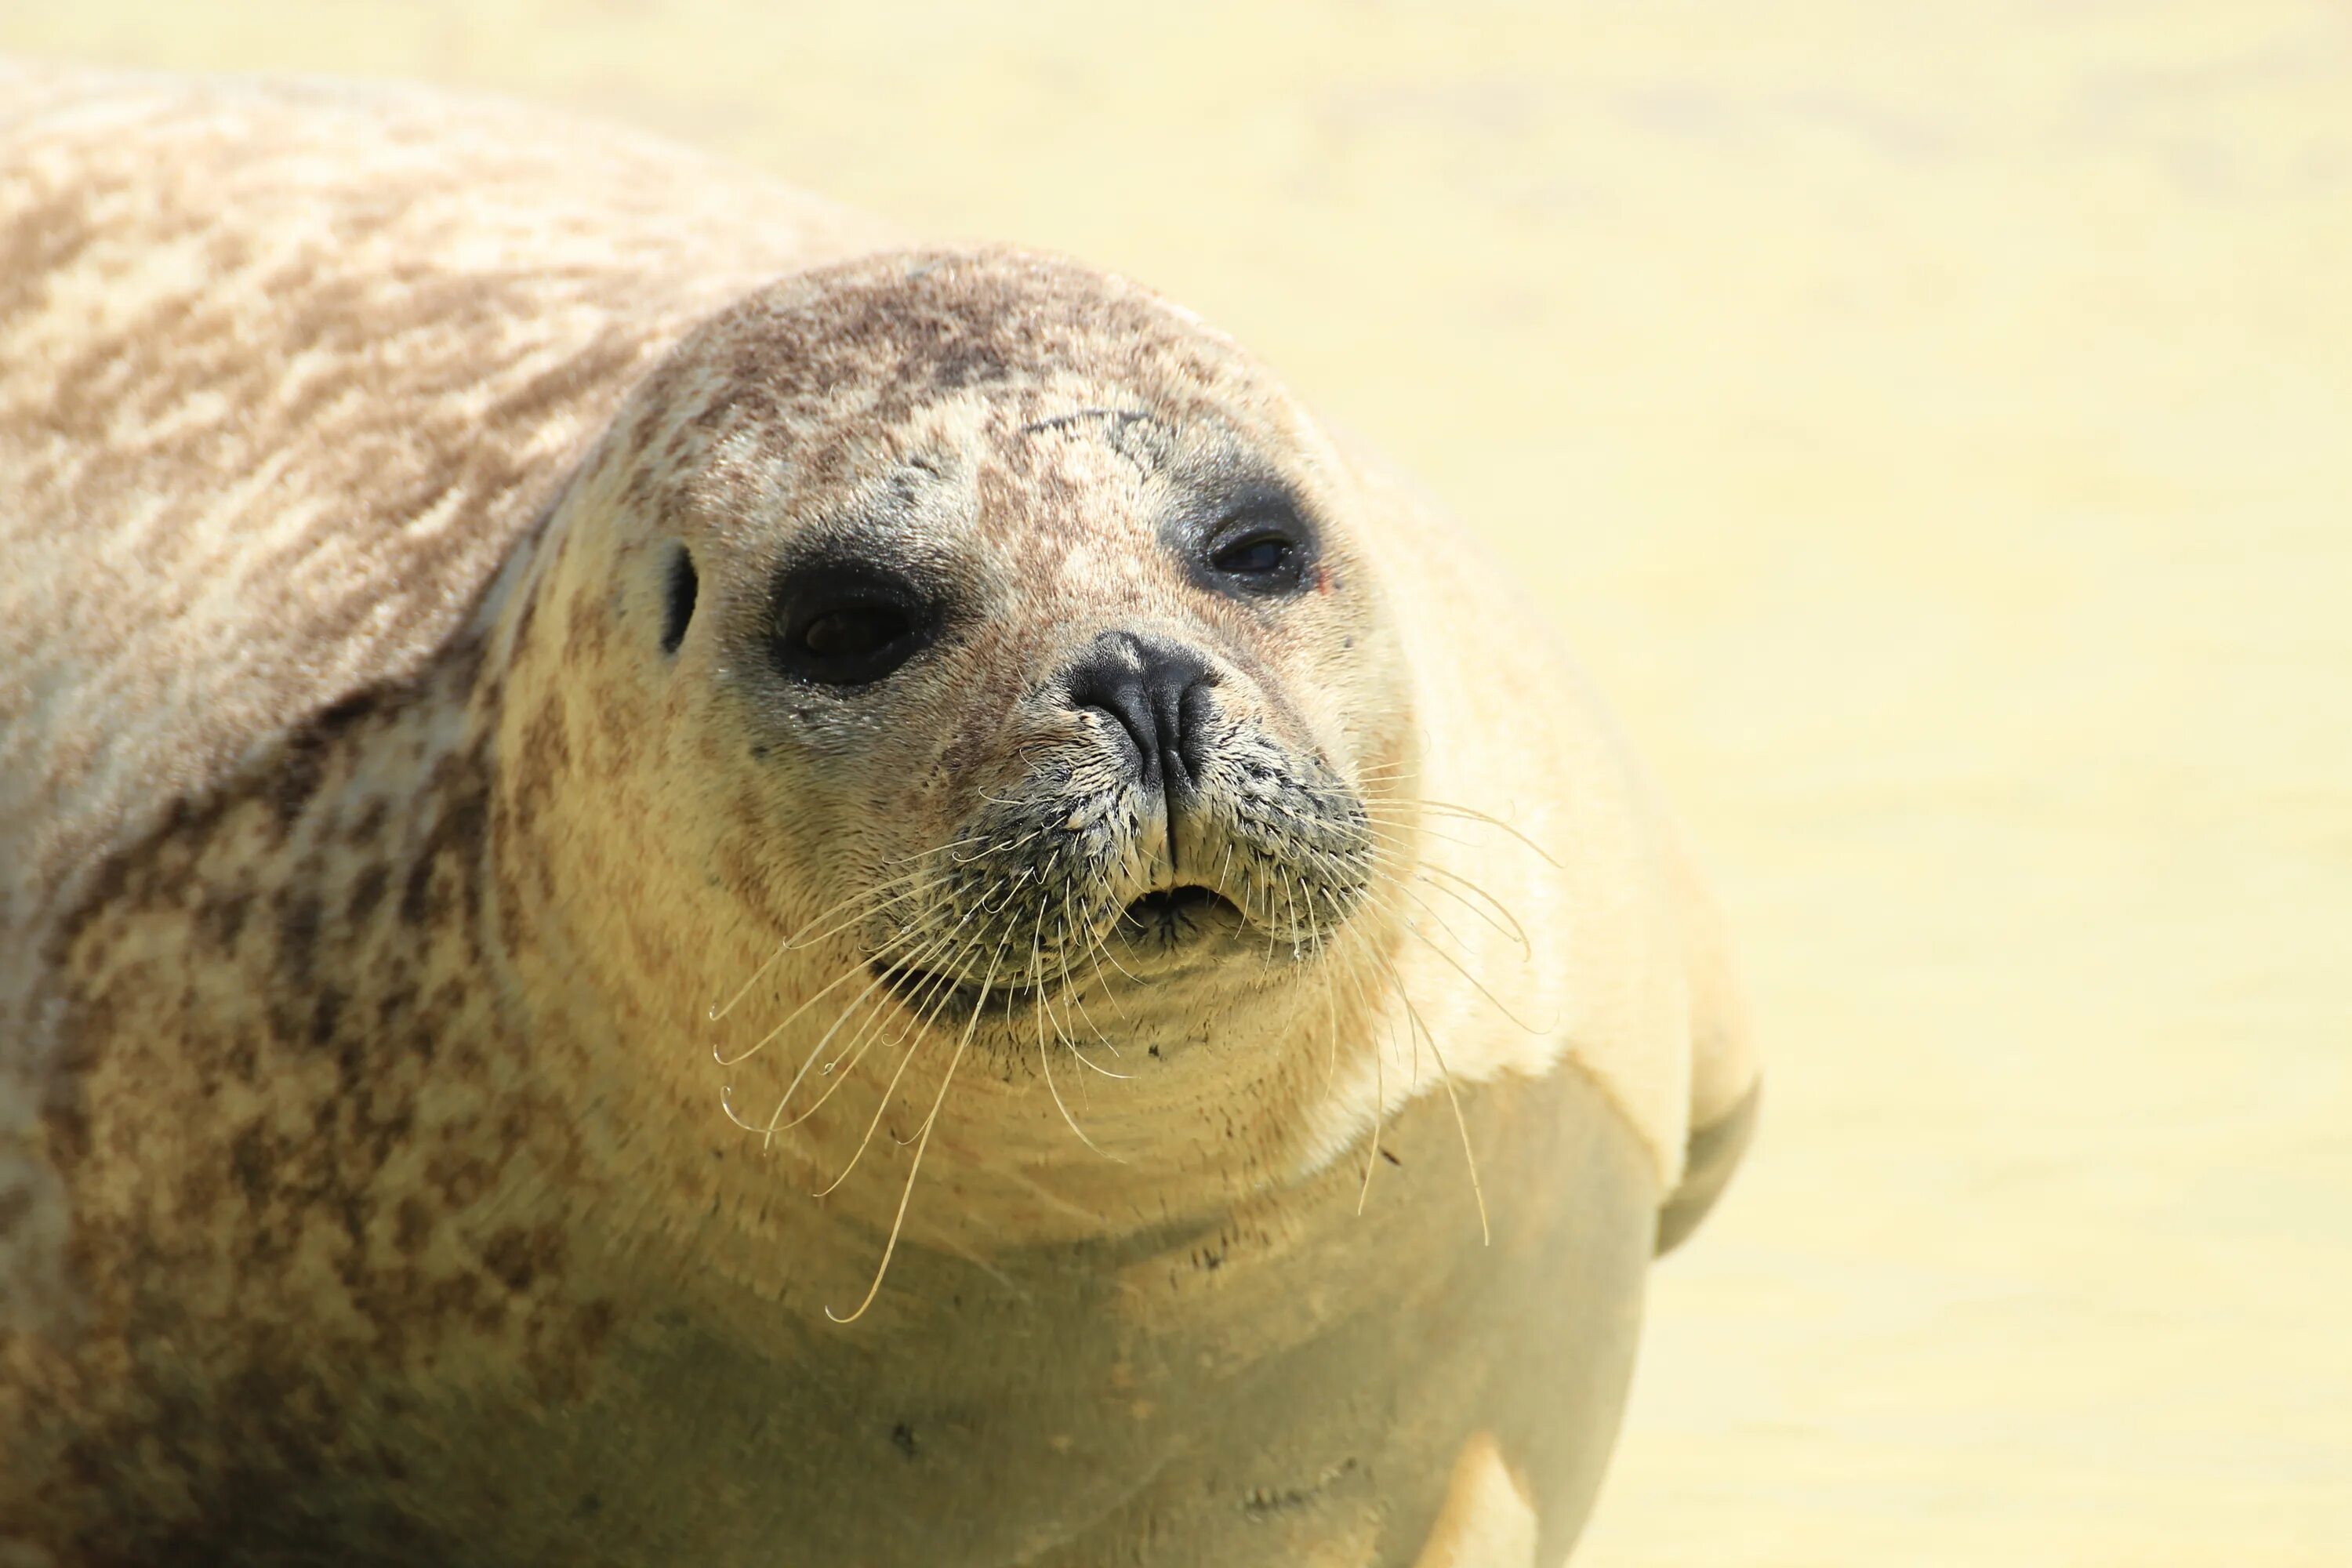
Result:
x=1935 y=426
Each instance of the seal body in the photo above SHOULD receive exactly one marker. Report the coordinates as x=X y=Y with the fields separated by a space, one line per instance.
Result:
x=679 y=887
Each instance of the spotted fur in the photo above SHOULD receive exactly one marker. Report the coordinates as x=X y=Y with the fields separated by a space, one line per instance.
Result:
x=372 y=850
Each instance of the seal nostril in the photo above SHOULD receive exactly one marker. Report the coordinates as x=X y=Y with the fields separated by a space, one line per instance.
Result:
x=1156 y=692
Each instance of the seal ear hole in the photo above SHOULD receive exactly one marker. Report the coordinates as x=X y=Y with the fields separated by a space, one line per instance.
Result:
x=678 y=594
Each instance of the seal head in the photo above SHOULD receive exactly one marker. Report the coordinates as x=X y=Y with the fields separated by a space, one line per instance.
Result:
x=1015 y=670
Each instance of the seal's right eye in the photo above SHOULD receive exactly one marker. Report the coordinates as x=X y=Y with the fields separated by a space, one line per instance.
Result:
x=847 y=625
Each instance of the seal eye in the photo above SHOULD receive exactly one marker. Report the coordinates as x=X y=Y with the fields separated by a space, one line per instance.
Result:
x=1255 y=556
x=1260 y=549
x=847 y=625
x=852 y=631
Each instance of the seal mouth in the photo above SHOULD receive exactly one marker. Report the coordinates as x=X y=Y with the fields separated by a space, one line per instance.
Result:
x=1174 y=928
x=1176 y=911
x=1162 y=924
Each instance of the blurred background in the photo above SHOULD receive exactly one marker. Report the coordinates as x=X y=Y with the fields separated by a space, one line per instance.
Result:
x=1934 y=427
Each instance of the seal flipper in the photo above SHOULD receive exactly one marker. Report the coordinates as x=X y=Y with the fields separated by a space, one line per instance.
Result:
x=1714 y=1152
x=1725 y=1081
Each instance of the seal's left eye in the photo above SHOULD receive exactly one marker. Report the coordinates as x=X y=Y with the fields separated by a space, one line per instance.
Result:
x=847 y=625
x=1255 y=554
x=1262 y=549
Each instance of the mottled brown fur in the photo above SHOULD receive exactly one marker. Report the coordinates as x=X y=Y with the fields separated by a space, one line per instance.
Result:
x=365 y=870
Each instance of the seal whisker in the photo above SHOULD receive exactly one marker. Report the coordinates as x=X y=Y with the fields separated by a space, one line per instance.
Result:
x=1478 y=984
x=1471 y=814
x=1380 y=1081
x=1096 y=950
x=853 y=1051
x=1330 y=1009
x=1273 y=933
x=1431 y=911
x=1072 y=996
x=962 y=842
x=1076 y=994
x=847 y=975
x=1501 y=918
x=866 y=902
x=1072 y=989
x=1092 y=952
x=727 y=1104
x=1445 y=1076
x=1396 y=828
x=719 y=1010
x=1002 y=847
x=933 y=993
x=945 y=993
x=1046 y=1058
x=922 y=1143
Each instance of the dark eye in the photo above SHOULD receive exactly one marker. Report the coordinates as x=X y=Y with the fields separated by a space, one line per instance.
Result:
x=847 y=625
x=1260 y=549
x=1255 y=554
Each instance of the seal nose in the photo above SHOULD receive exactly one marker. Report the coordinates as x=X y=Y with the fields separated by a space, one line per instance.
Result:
x=1158 y=693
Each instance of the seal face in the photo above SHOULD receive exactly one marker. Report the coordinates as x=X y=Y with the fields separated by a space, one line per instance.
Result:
x=1217 y=1055
x=1069 y=642
x=1032 y=673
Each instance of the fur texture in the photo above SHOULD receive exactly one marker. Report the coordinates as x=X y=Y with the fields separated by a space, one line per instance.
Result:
x=374 y=850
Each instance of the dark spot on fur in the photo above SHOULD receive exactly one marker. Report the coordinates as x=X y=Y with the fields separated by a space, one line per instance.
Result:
x=968 y=363
x=252 y=1161
x=902 y=1437
x=299 y=918
x=367 y=891
x=1282 y=1500
x=343 y=715
x=546 y=750
x=308 y=753
x=516 y=1257
x=299 y=774
x=461 y=789
x=325 y=1009
x=585 y=633
x=369 y=823
x=461 y=1179
x=220 y=919
x=412 y=1227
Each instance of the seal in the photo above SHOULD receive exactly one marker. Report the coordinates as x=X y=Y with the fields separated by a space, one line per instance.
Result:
x=683 y=886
